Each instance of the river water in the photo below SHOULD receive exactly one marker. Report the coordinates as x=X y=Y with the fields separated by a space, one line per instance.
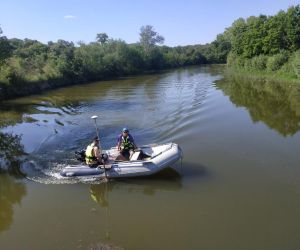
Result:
x=238 y=187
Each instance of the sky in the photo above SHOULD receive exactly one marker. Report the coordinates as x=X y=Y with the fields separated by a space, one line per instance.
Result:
x=181 y=22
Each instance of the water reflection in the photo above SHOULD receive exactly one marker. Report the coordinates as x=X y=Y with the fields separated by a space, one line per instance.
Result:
x=14 y=114
x=29 y=111
x=277 y=104
x=99 y=193
x=53 y=125
x=11 y=192
x=11 y=153
x=104 y=193
x=167 y=180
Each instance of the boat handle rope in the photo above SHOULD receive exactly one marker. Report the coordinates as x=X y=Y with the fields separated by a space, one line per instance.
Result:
x=162 y=151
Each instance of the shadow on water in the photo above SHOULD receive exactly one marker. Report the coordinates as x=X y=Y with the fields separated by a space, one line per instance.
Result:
x=11 y=192
x=277 y=104
x=195 y=171
x=167 y=180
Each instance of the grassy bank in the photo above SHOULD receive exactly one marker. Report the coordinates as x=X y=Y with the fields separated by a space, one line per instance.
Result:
x=257 y=75
x=283 y=66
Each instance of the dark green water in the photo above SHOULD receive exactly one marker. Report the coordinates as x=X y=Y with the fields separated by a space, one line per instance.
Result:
x=239 y=187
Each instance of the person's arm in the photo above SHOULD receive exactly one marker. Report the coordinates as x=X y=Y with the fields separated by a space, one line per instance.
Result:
x=97 y=153
x=119 y=143
x=132 y=141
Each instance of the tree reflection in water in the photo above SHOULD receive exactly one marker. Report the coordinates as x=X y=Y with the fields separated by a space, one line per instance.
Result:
x=11 y=192
x=11 y=152
x=275 y=103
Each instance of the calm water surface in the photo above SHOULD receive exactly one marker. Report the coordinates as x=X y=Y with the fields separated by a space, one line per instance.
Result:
x=238 y=188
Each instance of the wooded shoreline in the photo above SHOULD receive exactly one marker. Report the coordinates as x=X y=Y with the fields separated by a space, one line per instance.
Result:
x=265 y=46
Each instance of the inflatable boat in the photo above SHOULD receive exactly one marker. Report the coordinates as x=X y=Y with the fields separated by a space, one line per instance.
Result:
x=148 y=160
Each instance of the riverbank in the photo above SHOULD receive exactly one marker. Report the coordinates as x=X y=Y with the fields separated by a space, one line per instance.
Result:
x=22 y=88
x=261 y=76
x=30 y=67
x=281 y=67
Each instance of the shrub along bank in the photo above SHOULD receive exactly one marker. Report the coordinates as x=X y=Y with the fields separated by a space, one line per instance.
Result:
x=266 y=44
x=28 y=66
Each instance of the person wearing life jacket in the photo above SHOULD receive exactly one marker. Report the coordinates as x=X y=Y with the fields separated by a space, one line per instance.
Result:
x=93 y=156
x=126 y=144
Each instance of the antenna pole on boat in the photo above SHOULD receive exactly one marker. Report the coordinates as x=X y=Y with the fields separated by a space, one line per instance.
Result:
x=94 y=117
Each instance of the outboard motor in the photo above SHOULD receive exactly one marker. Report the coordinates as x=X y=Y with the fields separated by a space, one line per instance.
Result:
x=80 y=155
x=104 y=157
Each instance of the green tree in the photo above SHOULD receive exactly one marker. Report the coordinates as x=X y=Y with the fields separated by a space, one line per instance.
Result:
x=253 y=36
x=275 y=38
x=293 y=27
x=5 y=48
x=149 y=37
x=236 y=35
x=102 y=38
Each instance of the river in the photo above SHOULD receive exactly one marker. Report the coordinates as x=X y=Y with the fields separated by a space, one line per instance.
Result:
x=238 y=186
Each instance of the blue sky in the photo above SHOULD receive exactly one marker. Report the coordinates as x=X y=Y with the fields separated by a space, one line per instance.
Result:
x=180 y=22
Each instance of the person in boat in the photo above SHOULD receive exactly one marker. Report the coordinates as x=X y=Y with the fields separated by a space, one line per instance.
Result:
x=126 y=144
x=93 y=154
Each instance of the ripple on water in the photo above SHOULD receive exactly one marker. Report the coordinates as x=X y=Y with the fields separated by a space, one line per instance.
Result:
x=157 y=109
x=51 y=174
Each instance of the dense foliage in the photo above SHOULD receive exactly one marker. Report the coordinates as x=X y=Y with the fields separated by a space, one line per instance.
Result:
x=28 y=66
x=263 y=43
x=267 y=43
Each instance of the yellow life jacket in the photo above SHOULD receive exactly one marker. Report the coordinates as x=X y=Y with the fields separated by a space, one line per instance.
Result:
x=126 y=143
x=89 y=154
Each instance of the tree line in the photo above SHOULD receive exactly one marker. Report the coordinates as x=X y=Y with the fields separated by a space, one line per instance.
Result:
x=261 y=44
x=266 y=43
x=28 y=66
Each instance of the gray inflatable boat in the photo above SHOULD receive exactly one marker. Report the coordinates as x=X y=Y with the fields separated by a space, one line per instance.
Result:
x=155 y=158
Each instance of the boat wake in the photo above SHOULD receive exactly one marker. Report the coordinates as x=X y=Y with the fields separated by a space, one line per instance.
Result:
x=51 y=174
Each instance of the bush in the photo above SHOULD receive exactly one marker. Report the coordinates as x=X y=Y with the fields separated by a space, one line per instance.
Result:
x=287 y=69
x=259 y=62
x=248 y=64
x=231 y=59
x=235 y=61
x=275 y=62
x=296 y=63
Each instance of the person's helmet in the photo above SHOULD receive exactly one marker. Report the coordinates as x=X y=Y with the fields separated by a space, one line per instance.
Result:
x=125 y=129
